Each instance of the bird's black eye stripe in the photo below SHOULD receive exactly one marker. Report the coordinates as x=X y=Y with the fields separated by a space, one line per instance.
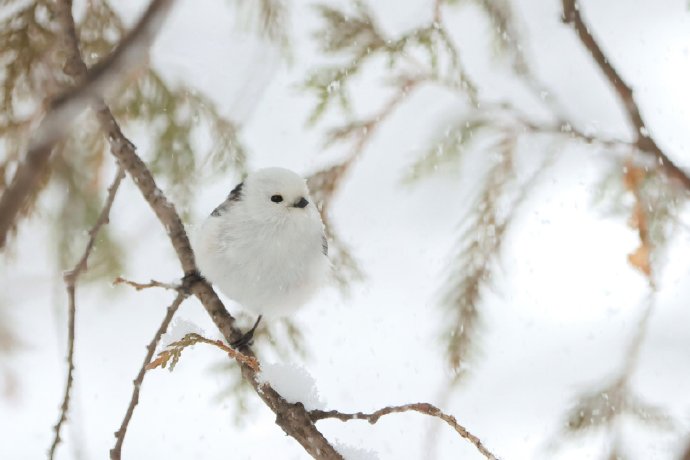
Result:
x=277 y=198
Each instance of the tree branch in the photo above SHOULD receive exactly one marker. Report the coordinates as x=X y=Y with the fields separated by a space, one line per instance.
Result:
x=142 y=286
x=292 y=418
x=71 y=277
x=116 y=451
x=643 y=141
x=423 y=408
x=126 y=58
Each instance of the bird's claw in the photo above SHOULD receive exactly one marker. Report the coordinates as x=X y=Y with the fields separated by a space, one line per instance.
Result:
x=247 y=337
x=189 y=279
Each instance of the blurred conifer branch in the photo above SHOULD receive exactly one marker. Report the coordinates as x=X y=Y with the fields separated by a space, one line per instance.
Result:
x=325 y=183
x=356 y=39
x=606 y=408
x=63 y=108
x=270 y=18
x=470 y=269
x=9 y=343
x=179 y=114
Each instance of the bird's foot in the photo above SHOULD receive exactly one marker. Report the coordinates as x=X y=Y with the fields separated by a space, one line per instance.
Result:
x=188 y=281
x=247 y=337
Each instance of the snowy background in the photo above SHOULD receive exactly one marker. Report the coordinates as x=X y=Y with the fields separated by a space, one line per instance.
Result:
x=556 y=325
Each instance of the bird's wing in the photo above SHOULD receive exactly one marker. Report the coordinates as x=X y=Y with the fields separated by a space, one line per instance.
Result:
x=324 y=244
x=235 y=195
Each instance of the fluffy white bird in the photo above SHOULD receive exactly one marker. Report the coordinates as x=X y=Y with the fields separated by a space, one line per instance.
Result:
x=264 y=246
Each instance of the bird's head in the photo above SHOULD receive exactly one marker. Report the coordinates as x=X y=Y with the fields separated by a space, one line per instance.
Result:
x=277 y=193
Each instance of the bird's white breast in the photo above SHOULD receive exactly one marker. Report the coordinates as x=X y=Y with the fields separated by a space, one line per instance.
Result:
x=271 y=268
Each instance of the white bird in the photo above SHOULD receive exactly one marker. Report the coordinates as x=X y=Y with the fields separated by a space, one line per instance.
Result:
x=264 y=247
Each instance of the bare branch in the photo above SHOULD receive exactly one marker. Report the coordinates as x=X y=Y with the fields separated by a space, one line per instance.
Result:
x=65 y=107
x=115 y=452
x=423 y=408
x=643 y=141
x=150 y=284
x=71 y=277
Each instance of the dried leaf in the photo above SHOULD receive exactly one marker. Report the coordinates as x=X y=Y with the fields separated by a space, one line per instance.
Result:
x=633 y=176
x=640 y=259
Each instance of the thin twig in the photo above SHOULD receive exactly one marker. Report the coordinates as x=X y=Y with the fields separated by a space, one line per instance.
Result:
x=424 y=408
x=632 y=356
x=150 y=284
x=60 y=112
x=643 y=141
x=71 y=277
x=437 y=11
x=116 y=452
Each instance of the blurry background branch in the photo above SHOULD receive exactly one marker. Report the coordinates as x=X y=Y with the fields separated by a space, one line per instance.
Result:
x=643 y=140
x=71 y=279
x=513 y=135
x=355 y=37
x=64 y=108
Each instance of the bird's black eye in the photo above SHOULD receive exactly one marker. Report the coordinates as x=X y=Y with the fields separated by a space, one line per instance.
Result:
x=277 y=198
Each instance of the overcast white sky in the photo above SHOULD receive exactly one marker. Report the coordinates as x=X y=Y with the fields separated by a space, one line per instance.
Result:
x=557 y=323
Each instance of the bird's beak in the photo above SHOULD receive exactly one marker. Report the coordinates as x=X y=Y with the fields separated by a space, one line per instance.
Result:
x=302 y=203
